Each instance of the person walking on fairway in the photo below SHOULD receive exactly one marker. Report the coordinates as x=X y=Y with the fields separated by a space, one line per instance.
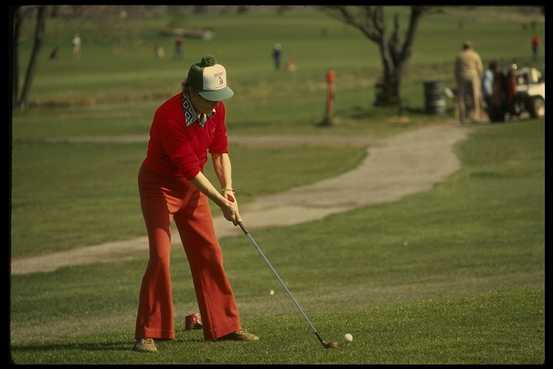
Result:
x=468 y=75
x=277 y=55
x=172 y=185
x=535 y=42
x=178 y=46
x=76 y=46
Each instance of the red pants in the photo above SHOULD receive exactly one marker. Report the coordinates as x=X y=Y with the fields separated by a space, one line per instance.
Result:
x=161 y=198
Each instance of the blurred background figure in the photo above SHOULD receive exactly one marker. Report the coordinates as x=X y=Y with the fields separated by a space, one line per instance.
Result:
x=178 y=46
x=77 y=46
x=277 y=55
x=290 y=65
x=54 y=53
x=511 y=86
x=159 y=51
x=487 y=83
x=468 y=74
x=535 y=42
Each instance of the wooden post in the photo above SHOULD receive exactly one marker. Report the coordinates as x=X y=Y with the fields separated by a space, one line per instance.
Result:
x=330 y=78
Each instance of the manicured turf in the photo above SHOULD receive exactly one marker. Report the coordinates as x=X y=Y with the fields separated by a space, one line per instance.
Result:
x=454 y=275
x=120 y=81
x=72 y=195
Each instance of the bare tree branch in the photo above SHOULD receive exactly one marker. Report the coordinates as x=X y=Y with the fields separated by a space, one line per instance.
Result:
x=416 y=13
x=371 y=22
x=378 y=21
x=393 y=45
x=347 y=16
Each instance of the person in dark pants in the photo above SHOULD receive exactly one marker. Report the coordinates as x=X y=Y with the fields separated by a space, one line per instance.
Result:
x=178 y=46
x=535 y=42
x=487 y=84
x=497 y=103
x=277 y=55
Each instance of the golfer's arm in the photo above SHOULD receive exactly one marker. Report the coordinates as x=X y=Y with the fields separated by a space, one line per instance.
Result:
x=204 y=185
x=223 y=169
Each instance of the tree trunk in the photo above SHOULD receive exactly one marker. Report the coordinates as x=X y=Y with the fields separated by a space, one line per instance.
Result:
x=31 y=67
x=18 y=18
x=391 y=86
x=387 y=90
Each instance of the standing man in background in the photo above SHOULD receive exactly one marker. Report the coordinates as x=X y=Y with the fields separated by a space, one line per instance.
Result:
x=487 y=83
x=178 y=46
x=277 y=55
x=76 y=46
x=535 y=42
x=468 y=74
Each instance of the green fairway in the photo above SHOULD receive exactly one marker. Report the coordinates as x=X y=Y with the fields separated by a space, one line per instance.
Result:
x=72 y=195
x=118 y=81
x=454 y=275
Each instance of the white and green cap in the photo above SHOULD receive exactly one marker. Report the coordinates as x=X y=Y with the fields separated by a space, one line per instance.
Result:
x=209 y=79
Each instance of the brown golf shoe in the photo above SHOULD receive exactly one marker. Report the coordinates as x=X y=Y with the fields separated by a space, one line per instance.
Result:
x=145 y=345
x=239 y=336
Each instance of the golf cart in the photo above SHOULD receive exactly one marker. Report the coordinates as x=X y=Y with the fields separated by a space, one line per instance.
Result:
x=530 y=92
x=521 y=93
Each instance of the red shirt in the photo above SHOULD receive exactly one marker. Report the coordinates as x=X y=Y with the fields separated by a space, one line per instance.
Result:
x=177 y=150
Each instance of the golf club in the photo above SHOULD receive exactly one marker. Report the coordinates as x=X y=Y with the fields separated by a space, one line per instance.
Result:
x=326 y=344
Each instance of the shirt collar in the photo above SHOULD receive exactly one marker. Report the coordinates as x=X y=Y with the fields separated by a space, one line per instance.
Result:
x=191 y=115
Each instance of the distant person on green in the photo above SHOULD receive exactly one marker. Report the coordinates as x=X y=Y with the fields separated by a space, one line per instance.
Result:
x=468 y=76
x=277 y=55
x=535 y=42
x=76 y=46
x=178 y=46
x=487 y=83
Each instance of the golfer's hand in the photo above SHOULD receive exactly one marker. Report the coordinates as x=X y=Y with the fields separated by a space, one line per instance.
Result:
x=230 y=210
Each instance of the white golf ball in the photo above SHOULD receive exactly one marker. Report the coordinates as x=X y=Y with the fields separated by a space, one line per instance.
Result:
x=348 y=337
x=271 y=292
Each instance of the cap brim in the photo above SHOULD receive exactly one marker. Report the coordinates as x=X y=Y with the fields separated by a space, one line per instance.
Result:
x=217 y=95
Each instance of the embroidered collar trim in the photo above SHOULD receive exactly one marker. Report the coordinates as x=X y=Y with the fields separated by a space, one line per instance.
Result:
x=191 y=115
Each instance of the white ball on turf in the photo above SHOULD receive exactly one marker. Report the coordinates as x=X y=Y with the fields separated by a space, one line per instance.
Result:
x=348 y=337
x=271 y=292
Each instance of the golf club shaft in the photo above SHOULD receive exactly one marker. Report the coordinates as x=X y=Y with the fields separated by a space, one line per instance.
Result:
x=281 y=281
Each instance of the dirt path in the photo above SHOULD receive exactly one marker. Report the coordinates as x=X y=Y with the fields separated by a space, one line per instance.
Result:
x=394 y=167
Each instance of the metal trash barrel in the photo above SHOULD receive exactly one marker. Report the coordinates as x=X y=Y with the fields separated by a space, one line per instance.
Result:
x=434 y=97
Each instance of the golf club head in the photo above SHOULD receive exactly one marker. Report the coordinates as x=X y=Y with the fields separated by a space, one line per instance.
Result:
x=330 y=344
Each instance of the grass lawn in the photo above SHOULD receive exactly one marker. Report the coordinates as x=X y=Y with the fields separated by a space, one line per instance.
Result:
x=73 y=195
x=454 y=275
x=115 y=86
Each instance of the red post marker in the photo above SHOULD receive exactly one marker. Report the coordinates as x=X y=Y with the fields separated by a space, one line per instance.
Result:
x=330 y=78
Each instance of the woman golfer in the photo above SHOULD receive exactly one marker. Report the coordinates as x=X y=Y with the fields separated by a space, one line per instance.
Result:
x=171 y=184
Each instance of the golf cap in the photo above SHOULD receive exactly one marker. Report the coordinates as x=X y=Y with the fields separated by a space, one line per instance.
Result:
x=209 y=79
